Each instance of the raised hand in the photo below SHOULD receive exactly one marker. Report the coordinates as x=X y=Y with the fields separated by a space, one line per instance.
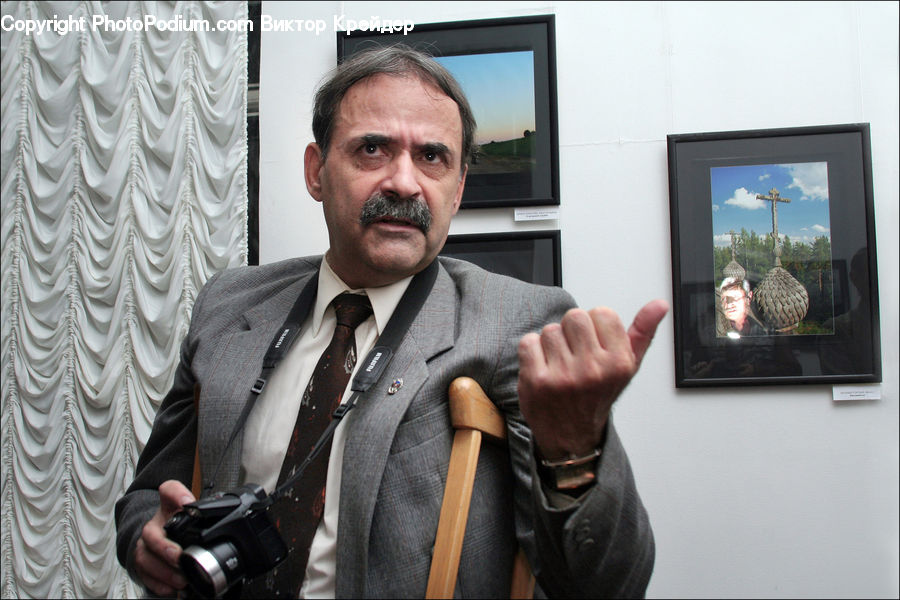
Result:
x=571 y=373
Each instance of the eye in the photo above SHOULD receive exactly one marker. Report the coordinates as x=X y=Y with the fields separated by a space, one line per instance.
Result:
x=371 y=150
x=431 y=156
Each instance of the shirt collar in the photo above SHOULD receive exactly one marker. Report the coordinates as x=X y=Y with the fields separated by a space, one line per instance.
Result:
x=384 y=299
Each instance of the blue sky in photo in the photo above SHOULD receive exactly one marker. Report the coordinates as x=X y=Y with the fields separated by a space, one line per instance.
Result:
x=734 y=203
x=500 y=88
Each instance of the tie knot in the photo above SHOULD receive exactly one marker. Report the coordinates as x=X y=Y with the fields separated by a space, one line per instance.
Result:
x=351 y=309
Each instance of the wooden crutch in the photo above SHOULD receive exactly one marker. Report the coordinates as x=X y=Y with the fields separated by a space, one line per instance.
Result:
x=473 y=415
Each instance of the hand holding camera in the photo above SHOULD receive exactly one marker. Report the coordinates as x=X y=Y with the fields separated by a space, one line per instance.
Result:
x=207 y=546
x=226 y=539
x=156 y=556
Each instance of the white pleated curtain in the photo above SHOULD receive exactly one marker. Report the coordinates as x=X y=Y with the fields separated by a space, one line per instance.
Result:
x=124 y=188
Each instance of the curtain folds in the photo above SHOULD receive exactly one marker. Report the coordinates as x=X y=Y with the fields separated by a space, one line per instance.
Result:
x=124 y=188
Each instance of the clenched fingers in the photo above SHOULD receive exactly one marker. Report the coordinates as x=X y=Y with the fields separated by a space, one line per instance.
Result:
x=157 y=573
x=156 y=556
x=571 y=373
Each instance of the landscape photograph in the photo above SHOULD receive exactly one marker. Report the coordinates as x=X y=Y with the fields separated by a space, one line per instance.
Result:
x=500 y=88
x=773 y=220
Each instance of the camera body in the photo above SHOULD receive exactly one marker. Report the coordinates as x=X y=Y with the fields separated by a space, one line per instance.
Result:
x=226 y=538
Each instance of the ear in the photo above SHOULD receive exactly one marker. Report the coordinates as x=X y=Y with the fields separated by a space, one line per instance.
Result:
x=461 y=185
x=313 y=163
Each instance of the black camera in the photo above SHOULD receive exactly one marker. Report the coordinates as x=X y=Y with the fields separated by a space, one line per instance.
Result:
x=226 y=538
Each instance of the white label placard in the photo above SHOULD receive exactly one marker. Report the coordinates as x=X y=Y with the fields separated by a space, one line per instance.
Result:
x=843 y=393
x=537 y=214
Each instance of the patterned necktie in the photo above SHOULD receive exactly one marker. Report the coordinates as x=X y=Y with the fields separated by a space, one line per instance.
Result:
x=298 y=513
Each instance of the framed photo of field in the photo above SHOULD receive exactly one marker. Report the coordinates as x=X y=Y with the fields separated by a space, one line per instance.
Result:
x=507 y=69
x=773 y=257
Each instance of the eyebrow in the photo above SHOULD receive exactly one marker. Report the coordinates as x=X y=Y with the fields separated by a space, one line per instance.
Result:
x=436 y=147
x=381 y=139
x=375 y=138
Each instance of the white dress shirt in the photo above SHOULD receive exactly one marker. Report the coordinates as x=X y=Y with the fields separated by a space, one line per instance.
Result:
x=271 y=422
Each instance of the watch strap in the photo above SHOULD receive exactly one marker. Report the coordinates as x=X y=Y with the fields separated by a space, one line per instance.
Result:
x=569 y=473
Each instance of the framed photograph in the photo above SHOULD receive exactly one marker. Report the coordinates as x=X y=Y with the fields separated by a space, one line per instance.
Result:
x=532 y=256
x=773 y=257
x=507 y=69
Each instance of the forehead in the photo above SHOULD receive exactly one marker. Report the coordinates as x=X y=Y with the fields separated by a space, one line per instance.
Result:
x=733 y=293
x=399 y=106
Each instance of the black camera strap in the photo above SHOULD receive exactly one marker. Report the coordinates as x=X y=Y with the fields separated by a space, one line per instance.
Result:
x=279 y=347
x=375 y=363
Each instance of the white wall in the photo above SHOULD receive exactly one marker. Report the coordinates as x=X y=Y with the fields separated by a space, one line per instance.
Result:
x=768 y=491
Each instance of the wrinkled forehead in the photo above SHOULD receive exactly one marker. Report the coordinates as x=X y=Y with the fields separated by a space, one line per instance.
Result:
x=389 y=100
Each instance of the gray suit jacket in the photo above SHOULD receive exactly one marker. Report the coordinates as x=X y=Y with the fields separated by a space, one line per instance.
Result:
x=398 y=445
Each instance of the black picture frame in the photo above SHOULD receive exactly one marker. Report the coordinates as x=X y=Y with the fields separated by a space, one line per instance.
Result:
x=254 y=45
x=521 y=171
x=532 y=256
x=825 y=174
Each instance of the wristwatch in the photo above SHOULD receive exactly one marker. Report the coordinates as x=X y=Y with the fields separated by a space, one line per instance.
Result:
x=569 y=473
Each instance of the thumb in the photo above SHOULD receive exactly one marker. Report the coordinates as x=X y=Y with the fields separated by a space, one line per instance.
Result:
x=172 y=496
x=643 y=328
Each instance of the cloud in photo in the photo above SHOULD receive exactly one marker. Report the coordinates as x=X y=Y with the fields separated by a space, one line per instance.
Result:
x=746 y=200
x=811 y=179
x=723 y=239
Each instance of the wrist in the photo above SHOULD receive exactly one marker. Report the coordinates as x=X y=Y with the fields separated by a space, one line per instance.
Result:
x=569 y=473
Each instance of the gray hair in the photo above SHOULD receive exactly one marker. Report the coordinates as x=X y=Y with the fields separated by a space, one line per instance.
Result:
x=735 y=283
x=398 y=60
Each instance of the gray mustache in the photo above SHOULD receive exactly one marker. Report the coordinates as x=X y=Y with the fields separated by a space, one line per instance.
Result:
x=380 y=206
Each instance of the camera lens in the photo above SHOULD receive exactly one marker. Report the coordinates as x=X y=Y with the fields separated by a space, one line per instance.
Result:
x=211 y=571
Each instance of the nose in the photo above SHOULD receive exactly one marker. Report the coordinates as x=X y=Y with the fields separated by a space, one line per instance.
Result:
x=402 y=178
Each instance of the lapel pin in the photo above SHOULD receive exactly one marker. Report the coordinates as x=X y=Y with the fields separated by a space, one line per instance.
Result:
x=395 y=386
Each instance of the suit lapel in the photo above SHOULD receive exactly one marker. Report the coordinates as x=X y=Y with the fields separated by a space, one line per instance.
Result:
x=372 y=425
x=243 y=350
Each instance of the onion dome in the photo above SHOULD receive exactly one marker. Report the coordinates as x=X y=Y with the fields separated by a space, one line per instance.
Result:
x=733 y=269
x=780 y=300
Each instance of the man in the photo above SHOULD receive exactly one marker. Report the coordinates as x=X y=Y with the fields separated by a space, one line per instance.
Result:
x=393 y=132
x=735 y=296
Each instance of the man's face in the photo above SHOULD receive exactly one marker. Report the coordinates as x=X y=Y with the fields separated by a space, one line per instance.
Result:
x=735 y=304
x=401 y=139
